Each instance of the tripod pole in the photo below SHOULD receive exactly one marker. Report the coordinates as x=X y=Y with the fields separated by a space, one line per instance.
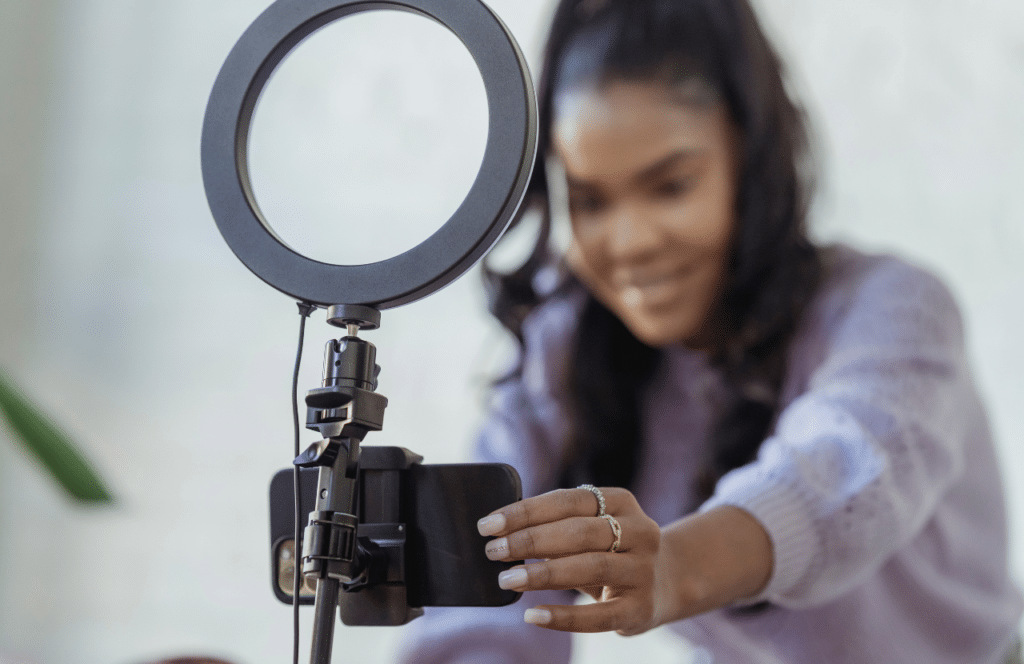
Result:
x=329 y=543
x=324 y=619
x=344 y=410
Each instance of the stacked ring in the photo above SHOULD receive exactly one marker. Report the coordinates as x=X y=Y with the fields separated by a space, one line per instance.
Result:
x=616 y=530
x=597 y=494
x=612 y=521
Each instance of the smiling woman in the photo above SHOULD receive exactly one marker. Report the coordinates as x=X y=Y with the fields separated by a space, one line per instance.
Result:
x=790 y=457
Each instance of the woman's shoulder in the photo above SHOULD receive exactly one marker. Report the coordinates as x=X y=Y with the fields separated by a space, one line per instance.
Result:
x=872 y=304
x=549 y=331
x=881 y=294
x=850 y=270
x=562 y=300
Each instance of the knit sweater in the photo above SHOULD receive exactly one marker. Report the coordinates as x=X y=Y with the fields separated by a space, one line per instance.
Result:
x=878 y=486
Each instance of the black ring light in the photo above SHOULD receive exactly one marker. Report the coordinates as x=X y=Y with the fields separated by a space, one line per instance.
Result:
x=451 y=250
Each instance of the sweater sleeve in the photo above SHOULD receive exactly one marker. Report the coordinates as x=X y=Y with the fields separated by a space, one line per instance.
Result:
x=858 y=462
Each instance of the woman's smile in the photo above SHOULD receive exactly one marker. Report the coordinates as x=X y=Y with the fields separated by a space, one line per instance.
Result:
x=653 y=290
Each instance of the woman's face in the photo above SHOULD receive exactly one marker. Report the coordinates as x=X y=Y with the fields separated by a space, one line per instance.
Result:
x=652 y=191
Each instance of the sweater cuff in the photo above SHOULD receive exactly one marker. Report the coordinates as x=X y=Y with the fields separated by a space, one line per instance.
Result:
x=787 y=521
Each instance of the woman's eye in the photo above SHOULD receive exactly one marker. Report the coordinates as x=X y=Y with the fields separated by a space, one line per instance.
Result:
x=673 y=188
x=585 y=204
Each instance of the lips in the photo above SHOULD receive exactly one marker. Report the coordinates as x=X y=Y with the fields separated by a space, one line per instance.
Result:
x=648 y=275
x=651 y=289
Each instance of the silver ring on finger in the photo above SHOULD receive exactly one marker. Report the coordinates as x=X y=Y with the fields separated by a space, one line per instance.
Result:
x=616 y=531
x=597 y=494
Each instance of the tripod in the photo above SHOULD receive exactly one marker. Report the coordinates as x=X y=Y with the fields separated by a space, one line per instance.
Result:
x=388 y=534
x=343 y=410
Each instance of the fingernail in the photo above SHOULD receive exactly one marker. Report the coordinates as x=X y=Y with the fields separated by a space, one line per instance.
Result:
x=491 y=525
x=497 y=549
x=512 y=578
x=537 y=616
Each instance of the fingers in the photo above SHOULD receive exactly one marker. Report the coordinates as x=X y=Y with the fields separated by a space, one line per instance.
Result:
x=617 y=582
x=621 y=614
x=586 y=570
x=552 y=540
x=554 y=506
x=562 y=528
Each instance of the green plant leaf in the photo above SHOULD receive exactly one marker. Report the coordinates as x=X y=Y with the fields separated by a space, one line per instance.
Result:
x=51 y=446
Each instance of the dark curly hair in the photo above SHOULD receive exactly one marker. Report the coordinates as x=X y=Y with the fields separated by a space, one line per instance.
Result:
x=773 y=269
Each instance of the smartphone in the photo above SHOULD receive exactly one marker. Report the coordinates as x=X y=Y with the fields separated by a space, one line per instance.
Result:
x=432 y=509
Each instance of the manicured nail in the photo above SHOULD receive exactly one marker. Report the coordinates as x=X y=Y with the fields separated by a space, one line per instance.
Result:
x=511 y=579
x=537 y=616
x=491 y=525
x=497 y=549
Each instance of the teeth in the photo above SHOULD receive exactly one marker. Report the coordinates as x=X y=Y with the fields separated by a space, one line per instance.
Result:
x=633 y=297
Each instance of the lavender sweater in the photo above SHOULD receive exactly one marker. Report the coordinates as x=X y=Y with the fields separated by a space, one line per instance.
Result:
x=878 y=486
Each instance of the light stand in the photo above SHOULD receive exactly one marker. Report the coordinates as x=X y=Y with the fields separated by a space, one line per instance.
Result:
x=338 y=551
x=344 y=410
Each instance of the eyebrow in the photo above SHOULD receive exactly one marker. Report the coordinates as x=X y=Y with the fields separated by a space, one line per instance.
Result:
x=653 y=170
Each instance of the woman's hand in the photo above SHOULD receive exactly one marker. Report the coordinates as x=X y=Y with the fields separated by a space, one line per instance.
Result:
x=563 y=528
x=697 y=564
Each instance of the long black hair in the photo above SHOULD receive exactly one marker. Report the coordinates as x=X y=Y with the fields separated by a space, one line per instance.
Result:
x=773 y=270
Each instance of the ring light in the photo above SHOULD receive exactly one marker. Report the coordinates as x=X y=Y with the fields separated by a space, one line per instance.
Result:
x=440 y=259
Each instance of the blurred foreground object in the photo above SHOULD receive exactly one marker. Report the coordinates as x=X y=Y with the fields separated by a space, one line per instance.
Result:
x=51 y=446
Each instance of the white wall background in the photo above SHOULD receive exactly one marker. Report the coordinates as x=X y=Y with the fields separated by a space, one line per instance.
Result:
x=126 y=315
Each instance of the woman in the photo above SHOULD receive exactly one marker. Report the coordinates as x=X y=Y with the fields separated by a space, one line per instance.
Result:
x=792 y=459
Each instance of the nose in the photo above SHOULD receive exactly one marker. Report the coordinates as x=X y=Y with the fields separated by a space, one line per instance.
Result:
x=633 y=234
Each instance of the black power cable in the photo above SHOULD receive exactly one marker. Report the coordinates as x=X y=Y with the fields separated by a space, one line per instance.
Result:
x=305 y=309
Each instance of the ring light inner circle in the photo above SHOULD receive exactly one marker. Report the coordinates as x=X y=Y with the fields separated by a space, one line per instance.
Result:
x=367 y=137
